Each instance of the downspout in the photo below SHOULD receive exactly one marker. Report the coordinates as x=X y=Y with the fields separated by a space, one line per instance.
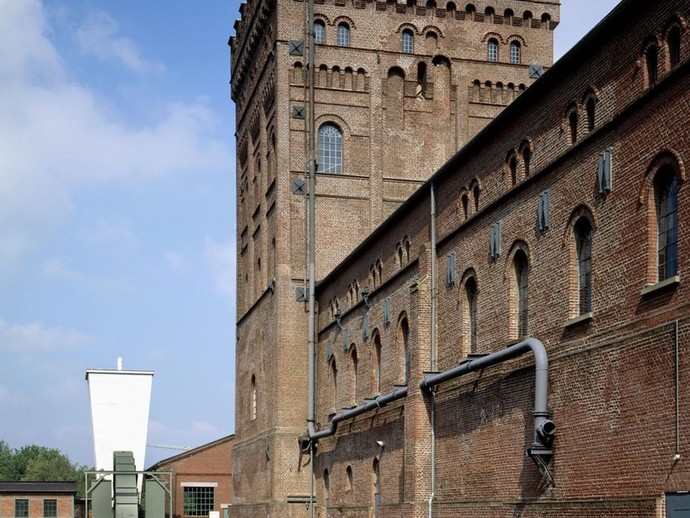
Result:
x=432 y=495
x=544 y=428
x=676 y=457
x=311 y=349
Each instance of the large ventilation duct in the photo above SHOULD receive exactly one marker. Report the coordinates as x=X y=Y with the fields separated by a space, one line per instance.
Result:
x=544 y=428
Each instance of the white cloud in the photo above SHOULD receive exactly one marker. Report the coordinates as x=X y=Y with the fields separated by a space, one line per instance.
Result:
x=221 y=257
x=57 y=136
x=57 y=268
x=98 y=36
x=35 y=337
x=176 y=262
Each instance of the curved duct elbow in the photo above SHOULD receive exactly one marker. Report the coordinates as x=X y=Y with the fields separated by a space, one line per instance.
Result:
x=547 y=428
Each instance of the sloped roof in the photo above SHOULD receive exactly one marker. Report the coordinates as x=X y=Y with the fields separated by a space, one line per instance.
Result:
x=38 y=487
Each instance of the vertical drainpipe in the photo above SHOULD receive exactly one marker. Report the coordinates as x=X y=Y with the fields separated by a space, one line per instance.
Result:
x=311 y=349
x=677 y=366
x=432 y=341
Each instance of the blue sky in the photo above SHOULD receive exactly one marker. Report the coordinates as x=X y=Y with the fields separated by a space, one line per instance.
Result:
x=117 y=212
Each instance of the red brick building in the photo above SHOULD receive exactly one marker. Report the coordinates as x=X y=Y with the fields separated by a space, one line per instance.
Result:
x=398 y=88
x=513 y=340
x=202 y=479
x=38 y=499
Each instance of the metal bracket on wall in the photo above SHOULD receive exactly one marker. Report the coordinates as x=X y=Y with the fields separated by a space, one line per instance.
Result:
x=298 y=187
x=296 y=48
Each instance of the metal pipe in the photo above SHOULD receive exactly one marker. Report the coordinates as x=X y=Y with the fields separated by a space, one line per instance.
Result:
x=432 y=453
x=311 y=349
x=378 y=402
x=544 y=428
x=677 y=456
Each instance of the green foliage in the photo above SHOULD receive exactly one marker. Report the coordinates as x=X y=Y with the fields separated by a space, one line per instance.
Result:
x=39 y=464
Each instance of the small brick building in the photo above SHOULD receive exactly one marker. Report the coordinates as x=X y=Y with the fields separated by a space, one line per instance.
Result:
x=202 y=479
x=38 y=500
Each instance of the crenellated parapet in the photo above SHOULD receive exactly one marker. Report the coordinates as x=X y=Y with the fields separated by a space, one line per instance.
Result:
x=534 y=16
x=253 y=40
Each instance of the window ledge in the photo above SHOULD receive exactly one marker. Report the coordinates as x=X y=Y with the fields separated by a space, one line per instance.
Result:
x=584 y=317
x=671 y=282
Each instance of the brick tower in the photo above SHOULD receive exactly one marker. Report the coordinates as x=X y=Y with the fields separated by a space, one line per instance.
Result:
x=398 y=89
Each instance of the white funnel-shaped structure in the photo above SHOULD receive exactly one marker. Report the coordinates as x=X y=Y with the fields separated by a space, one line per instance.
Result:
x=120 y=401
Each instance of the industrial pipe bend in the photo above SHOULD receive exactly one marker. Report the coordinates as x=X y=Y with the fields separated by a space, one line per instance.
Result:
x=544 y=428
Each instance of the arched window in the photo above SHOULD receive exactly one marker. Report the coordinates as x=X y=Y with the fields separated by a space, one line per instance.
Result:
x=404 y=348
x=526 y=155
x=673 y=46
x=327 y=486
x=253 y=401
x=492 y=50
x=319 y=32
x=572 y=125
x=421 y=80
x=651 y=55
x=353 y=374
x=475 y=194
x=348 y=472
x=407 y=41
x=334 y=381
x=515 y=49
x=590 y=109
x=376 y=346
x=512 y=167
x=582 y=232
x=527 y=15
x=471 y=314
x=376 y=472
x=431 y=4
x=343 y=35
x=521 y=266
x=451 y=7
x=666 y=201
x=464 y=204
x=330 y=149
x=489 y=12
x=508 y=14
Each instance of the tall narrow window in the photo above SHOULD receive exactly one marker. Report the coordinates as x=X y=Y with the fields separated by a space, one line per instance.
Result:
x=343 y=35
x=492 y=50
x=572 y=124
x=21 y=508
x=652 y=61
x=666 y=198
x=471 y=296
x=521 y=266
x=348 y=472
x=50 y=508
x=515 y=49
x=330 y=149
x=253 y=396
x=407 y=41
x=319 y=32
x=353 y=374
x=526 y=153
x=512 y=167
x=404 y=347
x=590 y=107
x=583 y=246
x=376 y=342
x=421 y=80
x=327 y=486
x=334 y=376
x=673 y=45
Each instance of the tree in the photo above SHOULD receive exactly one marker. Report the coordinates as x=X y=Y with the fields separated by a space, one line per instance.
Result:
x=38 y=464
